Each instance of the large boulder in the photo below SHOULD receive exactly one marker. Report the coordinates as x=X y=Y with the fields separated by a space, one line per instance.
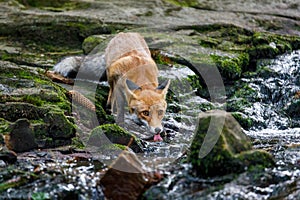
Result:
x=221 y=147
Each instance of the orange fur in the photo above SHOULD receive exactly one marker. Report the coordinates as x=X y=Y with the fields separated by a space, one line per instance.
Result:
x=128 y=58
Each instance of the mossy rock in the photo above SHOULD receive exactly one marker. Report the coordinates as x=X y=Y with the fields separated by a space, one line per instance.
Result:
x=116 y=135
x=50 y=128
x=243 y=120
x=28 y=94
x=231 y=68
x=59 y=125
x=11 y=111
x=223 y=148
x=255 y=158
x=241 y=95
x=69 y=33
x=90 y=43
x=23 y=84
x=240 y=48
x=269 y=45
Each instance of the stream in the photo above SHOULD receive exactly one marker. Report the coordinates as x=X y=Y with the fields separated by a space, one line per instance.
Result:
x=182 y=35
x=272 y=131
x=275 y=84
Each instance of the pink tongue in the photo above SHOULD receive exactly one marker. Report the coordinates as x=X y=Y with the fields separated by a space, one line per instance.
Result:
x=157 y=138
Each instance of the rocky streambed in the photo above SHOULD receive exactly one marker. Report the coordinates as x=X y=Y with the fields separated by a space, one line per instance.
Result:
x=232 y=124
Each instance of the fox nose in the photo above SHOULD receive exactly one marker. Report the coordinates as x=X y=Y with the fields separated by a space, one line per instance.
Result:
x=157 y=130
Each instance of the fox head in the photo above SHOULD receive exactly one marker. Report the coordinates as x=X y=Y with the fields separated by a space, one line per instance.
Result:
x=147 y=106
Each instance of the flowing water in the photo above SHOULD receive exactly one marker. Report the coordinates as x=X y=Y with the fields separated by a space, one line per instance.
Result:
x=275 y=84
x=275 y=92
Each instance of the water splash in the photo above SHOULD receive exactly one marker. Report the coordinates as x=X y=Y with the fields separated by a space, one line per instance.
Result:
x=275 y=90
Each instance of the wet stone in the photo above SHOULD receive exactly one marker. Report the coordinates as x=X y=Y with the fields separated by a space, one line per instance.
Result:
x=7 y=156
x=107 y=134
x=21 y=137
x=221 y=147
x=132 y=178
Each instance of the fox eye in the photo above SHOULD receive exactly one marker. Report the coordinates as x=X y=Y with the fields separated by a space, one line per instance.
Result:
x=160 y=112
x=145 y=113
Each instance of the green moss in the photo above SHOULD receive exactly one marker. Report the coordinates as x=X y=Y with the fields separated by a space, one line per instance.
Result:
x=12 y=184
x=87 y=28
x=102 y=95
x=209 y=42
x=245 y=46
x=21 y=73
x=91 y=42
x=40 y=130
x=241 y=96
x=243 y=120
x=113 y=130
x=215 y=163
x=228 y=149
x=11 y=111
x=231 y=68
x=53 y=130
x=195 y=83
x=262 y=71
x=269 y=25
x=269 y=45
x=237 y=105
x=37 y=56
x=206 y=106
x=41 y=101
x=68 y=34
x=77 y=143
x=33 y=100
x=119 y=146
x=60 y=126
x=256 y=159
x=184 y=3
x=263 y=51
x=4 y=126
x=245 y=91
x=42 y=91
x=116 y=135
x=38 y=100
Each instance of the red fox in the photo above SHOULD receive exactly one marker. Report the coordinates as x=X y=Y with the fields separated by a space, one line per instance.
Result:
x=132 y=76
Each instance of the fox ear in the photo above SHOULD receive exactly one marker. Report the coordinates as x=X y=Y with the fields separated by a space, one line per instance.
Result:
x=163 y=87
x=130 y=87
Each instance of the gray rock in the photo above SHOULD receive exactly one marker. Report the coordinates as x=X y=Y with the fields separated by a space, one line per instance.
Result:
x=21 y=137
